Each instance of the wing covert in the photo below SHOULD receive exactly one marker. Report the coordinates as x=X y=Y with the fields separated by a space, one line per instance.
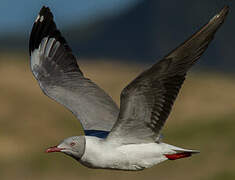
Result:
x=147 y=101
x=59 y=76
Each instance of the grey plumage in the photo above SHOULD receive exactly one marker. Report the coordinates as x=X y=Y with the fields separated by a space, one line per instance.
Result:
x=134 y=141
x=147 y=101
x=73 y=146
x=60 y=77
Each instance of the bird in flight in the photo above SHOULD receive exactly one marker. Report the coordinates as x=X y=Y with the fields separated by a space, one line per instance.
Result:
x=128 y=138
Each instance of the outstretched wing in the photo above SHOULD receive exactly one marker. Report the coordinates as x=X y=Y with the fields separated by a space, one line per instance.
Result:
x=60 y=78
x=147 y=101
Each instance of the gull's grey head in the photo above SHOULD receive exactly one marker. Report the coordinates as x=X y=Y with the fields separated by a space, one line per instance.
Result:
x=72 y=146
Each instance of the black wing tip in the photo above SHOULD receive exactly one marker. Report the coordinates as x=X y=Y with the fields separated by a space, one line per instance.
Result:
x=44 y=8
x=221 y=15
x=215 y=22
x=44 y=26
x=207 y=31
x=45 y=11
x=225 y=9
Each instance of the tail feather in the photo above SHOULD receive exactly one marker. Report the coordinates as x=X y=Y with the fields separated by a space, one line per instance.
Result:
x=178 y=153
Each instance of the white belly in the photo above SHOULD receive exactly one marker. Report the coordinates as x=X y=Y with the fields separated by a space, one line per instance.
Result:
x=100 y=154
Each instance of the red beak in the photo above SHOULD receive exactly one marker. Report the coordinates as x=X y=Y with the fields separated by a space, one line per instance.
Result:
x=54 y=149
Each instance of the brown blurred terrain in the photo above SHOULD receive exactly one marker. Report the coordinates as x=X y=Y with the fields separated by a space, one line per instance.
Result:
x=203 y=118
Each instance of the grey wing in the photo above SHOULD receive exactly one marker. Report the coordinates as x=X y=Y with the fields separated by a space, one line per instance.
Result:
x=147 y=101
x=59 y=76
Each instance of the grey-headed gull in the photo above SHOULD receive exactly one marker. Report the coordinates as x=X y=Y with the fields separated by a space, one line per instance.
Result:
x=125 y=139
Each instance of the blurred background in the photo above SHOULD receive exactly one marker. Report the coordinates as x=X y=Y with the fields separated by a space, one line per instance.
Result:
x=115 y=40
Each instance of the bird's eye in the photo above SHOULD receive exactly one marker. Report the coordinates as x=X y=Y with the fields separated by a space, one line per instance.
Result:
x=72 y=143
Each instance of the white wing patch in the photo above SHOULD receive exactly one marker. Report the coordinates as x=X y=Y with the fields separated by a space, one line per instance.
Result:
x=37 y=18
x=41 y=18
x=47 y=47
x=35 y=61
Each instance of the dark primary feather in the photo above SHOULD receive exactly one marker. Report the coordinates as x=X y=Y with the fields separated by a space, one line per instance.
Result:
x=47 y=28
x=59 y=76
x=147 y=101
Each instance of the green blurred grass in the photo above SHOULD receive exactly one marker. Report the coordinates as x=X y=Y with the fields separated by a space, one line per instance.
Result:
x=202 y=119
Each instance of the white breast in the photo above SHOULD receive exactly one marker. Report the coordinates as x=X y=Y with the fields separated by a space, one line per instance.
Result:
x=100 y=154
